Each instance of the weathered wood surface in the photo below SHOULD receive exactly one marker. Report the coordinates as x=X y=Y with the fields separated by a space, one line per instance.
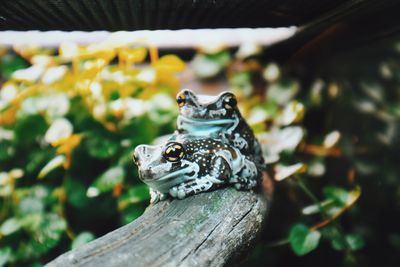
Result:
x=209 y=229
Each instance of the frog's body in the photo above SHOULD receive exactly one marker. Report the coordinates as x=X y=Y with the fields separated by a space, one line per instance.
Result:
x=219 y=118
x=189 y=166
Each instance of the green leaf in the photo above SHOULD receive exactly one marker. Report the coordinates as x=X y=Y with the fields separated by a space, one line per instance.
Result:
x=338 y=242
x=29 y=128
x=30 y=205
x=355 y=241
x=37 y=159
x=242 y=81
x=53 y=164
x=101 y=148
x=10 y=226
x=137 y=194
x=31 y=222
x=10 y=63
x=45 y=230
x=81 y=239
x=205 y=67
x=315 y=208
x=6 y=150
x=339 y=195
x=350 y=241
x=303 y=240
x=49 y=231
x=222 y=57
x=107 y=181
x=5 y=253
x=76 y=192
x=144 y=128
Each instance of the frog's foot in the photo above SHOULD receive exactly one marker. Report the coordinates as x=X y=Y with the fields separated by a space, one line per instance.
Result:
x=248 y=177
x=245 y=185
x=156 y=196
x=191 y=188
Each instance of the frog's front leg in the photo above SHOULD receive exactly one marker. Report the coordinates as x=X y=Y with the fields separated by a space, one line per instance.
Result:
x=219 y=174
x=156 y=196
x=191 y=188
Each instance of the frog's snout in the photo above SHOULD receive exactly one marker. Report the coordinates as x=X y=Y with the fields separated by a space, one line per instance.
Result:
x=144 y=155
x=139 y=153
x=135 y=158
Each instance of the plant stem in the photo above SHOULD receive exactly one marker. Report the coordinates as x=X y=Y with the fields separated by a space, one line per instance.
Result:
x=312 y=197
x=324 y=215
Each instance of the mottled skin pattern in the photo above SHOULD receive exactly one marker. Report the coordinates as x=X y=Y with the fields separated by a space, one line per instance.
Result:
x=217 y=117
x=186 y=167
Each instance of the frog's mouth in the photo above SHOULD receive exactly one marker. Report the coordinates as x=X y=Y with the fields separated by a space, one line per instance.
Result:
x=165 y=182
x=203 y=126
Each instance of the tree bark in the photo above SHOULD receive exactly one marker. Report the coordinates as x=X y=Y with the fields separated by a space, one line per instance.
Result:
x=209 y=229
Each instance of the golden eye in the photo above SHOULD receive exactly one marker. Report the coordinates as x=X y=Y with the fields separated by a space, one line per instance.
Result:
x=230 y=102
x=173 y=152
x=181 y=100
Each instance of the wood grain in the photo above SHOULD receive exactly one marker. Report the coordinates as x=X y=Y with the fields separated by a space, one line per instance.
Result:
x=209 y=229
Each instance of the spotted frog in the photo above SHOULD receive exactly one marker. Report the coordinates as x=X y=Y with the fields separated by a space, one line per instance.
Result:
x=217 y=117
x=185 y=167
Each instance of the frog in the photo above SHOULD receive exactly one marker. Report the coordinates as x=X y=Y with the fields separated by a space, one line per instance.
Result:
x=187 y=166
x=217 y=117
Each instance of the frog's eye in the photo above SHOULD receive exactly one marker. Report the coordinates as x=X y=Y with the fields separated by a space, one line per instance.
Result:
x=181 y=99
x=173 y=152
x=230 y=102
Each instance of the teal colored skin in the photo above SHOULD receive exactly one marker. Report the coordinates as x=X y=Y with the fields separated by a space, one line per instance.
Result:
x=186 y=167
x=219 y=118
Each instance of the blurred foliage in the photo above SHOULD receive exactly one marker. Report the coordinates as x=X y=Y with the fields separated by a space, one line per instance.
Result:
x=70 y=120
x=329 y=129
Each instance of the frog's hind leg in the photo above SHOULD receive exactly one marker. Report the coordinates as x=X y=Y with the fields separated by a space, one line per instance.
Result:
x=248 y=176
x=219 y=174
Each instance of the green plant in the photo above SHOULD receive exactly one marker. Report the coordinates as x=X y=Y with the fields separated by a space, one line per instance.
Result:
x=331 y=135
x=331 y=140
x=68 y=126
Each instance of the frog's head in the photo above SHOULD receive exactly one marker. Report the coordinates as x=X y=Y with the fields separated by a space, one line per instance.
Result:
x=164 y=166
x=206 y=113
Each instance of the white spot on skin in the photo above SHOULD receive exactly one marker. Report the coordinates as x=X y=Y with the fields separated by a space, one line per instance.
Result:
x=240 y=142
x=217 y=113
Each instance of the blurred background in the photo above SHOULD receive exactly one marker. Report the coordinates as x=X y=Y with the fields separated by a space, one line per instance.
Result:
x=322 y=97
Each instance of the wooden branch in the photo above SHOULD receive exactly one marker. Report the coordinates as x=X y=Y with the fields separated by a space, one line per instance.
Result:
x=209 y=229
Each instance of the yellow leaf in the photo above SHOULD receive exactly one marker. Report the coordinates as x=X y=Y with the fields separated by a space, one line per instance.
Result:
x=8 y=117
x=66 y=145
x=354 y=195
x=168 y=79
x=132 y=55
x=170 y=63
